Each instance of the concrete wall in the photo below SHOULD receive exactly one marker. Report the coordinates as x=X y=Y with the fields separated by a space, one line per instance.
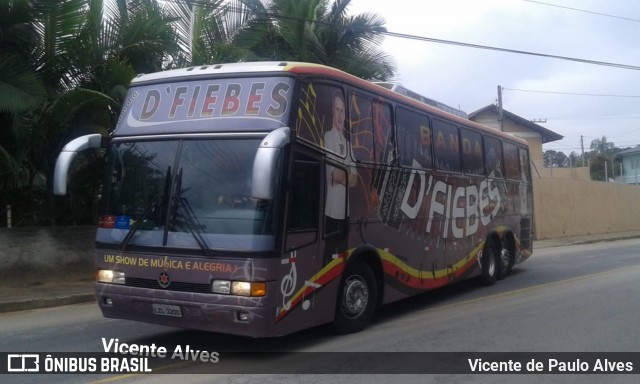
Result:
x=34 y=252
x=581 y=173
x=569 y=207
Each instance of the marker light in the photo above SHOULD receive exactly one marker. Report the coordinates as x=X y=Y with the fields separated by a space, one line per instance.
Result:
x=258 y=289
x=109 y=276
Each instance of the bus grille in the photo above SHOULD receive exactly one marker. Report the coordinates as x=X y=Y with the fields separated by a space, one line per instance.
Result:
x=174 y=286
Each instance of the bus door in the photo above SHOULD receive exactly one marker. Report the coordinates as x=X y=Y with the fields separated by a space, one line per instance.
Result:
x=303 y=252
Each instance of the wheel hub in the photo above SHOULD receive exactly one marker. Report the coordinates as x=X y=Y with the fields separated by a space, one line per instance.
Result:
x=356 y=297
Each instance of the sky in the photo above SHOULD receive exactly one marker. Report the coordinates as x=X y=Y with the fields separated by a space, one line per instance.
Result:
x=575 y=99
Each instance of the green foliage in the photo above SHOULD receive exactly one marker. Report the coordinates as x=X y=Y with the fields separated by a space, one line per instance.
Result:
x=21 y=88
x=65 y=66
x=317 y=31
x=601 y=159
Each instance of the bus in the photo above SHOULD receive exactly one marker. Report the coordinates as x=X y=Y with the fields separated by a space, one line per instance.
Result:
x=260 y=199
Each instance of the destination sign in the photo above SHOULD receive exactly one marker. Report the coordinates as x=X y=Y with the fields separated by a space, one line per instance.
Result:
x=209 y=105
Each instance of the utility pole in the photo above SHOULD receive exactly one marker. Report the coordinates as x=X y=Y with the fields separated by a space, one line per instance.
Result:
x=582 y=145
x=500 y=114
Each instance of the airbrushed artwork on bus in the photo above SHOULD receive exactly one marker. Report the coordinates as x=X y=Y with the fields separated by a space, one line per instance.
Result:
x=429 y=228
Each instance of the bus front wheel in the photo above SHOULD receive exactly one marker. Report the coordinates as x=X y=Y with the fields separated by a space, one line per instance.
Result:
x=357 y=299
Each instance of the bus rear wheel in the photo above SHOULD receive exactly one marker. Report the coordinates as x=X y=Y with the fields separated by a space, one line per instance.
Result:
x=489 y=262
x=357 y=299
x=506 y=258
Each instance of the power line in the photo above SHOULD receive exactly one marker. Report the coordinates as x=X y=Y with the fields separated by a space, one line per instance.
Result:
x=477 y=46
x=571 y=93
x=268 y=15
x=584 y=10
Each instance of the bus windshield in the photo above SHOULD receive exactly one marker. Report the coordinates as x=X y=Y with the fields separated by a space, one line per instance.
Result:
x=184 y=193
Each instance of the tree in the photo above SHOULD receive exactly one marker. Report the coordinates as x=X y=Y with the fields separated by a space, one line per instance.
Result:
x=64 y=69
x=601 y=146
x=207 y=29
x=65 y=66
x=575 y=159
x=603 y=162
x=21 y=88
x=317 y=31
x=555 y=159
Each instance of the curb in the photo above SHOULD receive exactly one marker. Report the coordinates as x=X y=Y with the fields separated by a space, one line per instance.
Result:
x=605 y=240
x=553 y=243
x=37 y=303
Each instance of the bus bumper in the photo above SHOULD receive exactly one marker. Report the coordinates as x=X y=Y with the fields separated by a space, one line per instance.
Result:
x=245 y=316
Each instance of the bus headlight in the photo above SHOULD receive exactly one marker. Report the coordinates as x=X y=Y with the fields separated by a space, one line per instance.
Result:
x=221 y=286
x=109 y=276
x=239 y=288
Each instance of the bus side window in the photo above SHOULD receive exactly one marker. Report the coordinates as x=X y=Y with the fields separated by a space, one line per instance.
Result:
x=493 y=157
x=384 y=137
x=525 y=167
x=414 y=139
x=511 y=162
x=372 y=138
x=361 y=126
x=472 y=154
x=305 y=195
x=446 y=144
x=321 y=111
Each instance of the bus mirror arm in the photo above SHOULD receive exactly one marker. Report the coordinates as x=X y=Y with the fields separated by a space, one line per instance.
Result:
x=264 y=164
x=68 y=153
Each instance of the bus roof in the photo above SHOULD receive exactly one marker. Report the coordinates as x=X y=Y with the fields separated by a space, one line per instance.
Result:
x=302 y=68
x=213 y=70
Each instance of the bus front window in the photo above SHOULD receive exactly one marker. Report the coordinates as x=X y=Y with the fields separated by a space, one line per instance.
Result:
x=185 y=194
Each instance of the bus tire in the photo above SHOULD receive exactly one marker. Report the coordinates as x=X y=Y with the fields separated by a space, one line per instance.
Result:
x=506 y=258
x=357 y=298
x=489 y=262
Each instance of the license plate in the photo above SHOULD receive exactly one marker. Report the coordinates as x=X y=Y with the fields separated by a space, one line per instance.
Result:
x=167 y=310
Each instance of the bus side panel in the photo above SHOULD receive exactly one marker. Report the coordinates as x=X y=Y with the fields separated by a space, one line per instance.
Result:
x=428 y=228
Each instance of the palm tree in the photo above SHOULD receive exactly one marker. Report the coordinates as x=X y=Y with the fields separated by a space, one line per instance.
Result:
x=601 y=146
x=65 y=64
x=321 y=32
x=21 y=89
x=206 y=30
x=64 y=69
x=213 y=31
x=351 y=43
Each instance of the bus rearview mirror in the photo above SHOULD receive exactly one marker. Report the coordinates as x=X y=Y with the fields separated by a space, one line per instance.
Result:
x=68 y=153
x=264 y=164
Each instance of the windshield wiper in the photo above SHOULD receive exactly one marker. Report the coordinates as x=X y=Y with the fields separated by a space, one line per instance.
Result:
x=191 y=220
x=156 y=201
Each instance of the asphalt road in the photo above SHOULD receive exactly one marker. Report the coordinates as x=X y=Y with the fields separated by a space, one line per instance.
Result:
x=579 y=298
